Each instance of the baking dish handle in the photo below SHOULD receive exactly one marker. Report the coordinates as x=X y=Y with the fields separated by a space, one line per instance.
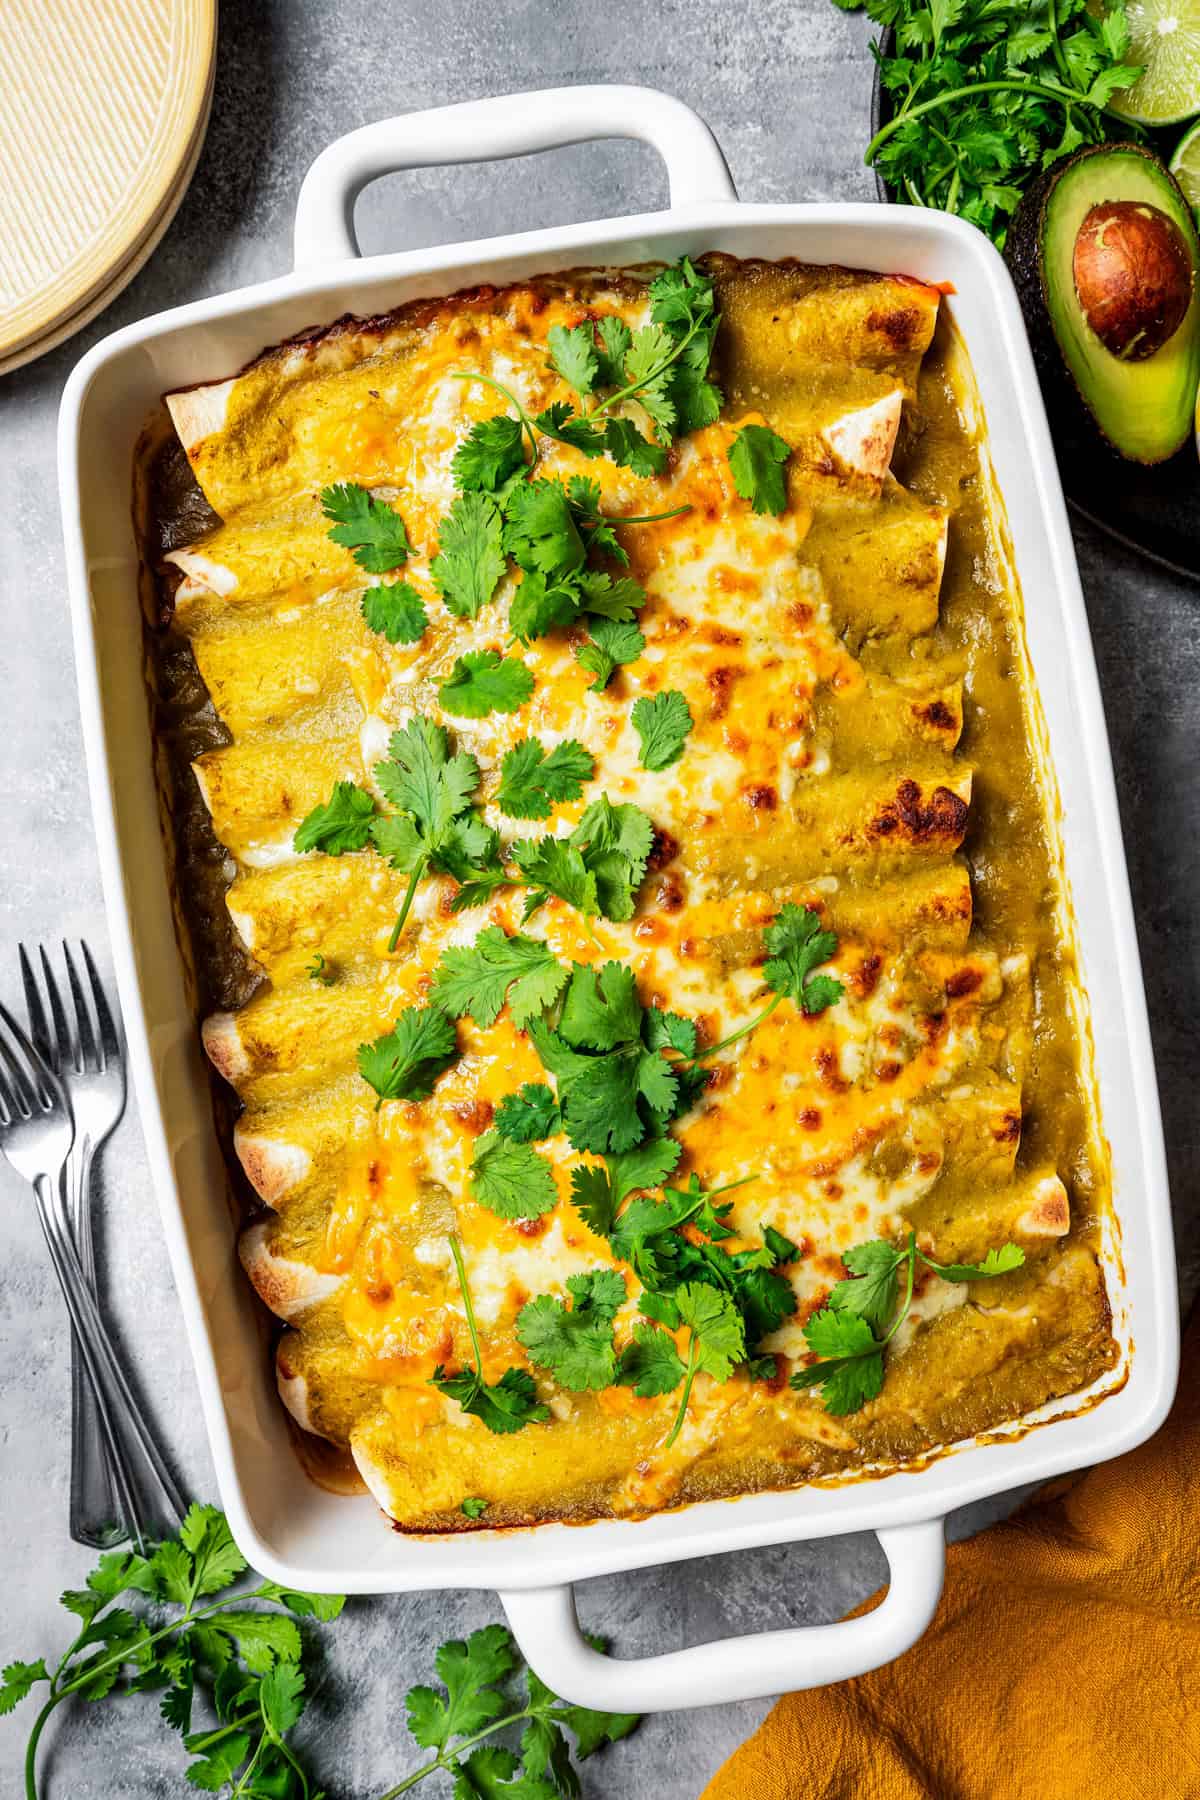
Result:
x=546 y=1627
x=507 y=125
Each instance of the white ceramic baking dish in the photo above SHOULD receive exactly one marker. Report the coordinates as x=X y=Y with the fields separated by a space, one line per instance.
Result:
x=289 y=1528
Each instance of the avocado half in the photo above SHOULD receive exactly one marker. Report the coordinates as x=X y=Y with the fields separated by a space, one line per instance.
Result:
x=1104 y=253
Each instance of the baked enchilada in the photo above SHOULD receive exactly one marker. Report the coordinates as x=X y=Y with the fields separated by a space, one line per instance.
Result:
x=618 y=870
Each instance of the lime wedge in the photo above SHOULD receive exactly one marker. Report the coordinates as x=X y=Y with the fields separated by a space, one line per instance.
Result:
x=1185 y=165
x=1165 y=40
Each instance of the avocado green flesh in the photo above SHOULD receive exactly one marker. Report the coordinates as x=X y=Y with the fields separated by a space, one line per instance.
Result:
x=1145 y=409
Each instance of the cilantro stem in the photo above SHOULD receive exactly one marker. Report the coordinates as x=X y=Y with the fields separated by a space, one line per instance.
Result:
x=677 y=1427
x=742 y=1031
x=419 y=868
x=31 y=1749
x=911 y=1258
x=1041 y=89
x=442 y=1761
x=646 y=518
x=456 y=1253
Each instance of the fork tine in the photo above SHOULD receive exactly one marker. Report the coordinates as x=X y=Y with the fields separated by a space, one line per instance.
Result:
x=110 y=1036
x=37 y=1078
x=83 y=1018
x=67 y=1054
x=24 y=1100
x=39 y=1031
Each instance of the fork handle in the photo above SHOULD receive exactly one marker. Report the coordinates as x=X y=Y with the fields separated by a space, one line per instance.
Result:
x=95 y=1514
x=150 y=1502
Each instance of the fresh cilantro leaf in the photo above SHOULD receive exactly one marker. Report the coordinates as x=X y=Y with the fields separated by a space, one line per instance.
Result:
x=846 y=1382
x=482 y=682
x=583 y=503
x=781 y=1248
x=716 y=1327
x=607 y=598
x=872 y=1294
x=577 y=1345
x=573 y=353
x=757 y=457
x=305 y=1606
x=669 y=1031
x=683 y=302
x=615 y=339
x=470 y=560
x=581 y=434
x=630 y=450
x=489 y=454
x=601 y=1008
x=342 y=823
x=797 y=946
x=1001 y=1261
x=421 y=777
x=592 y=1194
x=510 y=1179
x=529 y=1115
x=643 y=1167
x=211 y=1773
x=612 y=642
x=261 y=1637
x=650 y=1364
x=540 y=532
x=216 y=1559
x=472 y=1507
x=616 y=842
x=762 y=1368
x=662 y=723
x=504 y=1406
x=317 y=969
x=476 y=978
x=406 y=1061
x=17 y=1682
x=468 y=1702
x=647 y=367
x=541 y=604
x=532 y=782
x=553 y=865
x=396 y=611
x=281 y=1696
x=366 y=526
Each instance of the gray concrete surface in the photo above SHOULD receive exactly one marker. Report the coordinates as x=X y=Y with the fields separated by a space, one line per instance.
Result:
x=785 y=85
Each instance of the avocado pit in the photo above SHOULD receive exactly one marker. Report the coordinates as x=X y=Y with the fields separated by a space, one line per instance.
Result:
x=1133 y=277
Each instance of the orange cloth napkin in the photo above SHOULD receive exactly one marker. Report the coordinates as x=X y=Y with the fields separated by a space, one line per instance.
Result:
x=1063 y=1662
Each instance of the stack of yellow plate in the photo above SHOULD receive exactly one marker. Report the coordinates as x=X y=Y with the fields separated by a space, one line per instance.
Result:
x=103 y=107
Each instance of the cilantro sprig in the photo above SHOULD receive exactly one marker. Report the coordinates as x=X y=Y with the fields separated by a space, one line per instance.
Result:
x=533 y=782
x=851 y=1332
x=369 y=528
x=211 y=1641
x=504 y=1406
x=984 y=97
x=757 y=459
x=797 y=947
x=405 y=1062
x=435 y=827
x=576 y=1344
x=239 y=1652
x=474 y=1702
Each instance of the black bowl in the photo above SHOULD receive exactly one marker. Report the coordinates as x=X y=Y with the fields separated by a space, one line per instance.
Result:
x=1153 y=510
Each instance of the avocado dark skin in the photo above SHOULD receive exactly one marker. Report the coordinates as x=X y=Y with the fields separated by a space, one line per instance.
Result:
x=1137 y=403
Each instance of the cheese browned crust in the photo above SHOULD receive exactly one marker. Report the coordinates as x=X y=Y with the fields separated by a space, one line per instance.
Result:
x=823 y=767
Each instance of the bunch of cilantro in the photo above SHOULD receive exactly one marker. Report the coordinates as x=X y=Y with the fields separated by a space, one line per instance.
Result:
x=239 y=1656
x=985 y=94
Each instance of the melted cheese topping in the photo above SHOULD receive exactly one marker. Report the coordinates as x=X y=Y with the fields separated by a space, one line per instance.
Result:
x=811 y=773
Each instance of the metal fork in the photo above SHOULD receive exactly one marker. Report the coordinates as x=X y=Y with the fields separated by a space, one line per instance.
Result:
x=93 y=1072
x=36 y=1134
